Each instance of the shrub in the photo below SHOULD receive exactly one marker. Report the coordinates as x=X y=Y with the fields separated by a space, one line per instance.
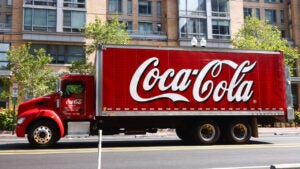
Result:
x=8 y=119
x=297 y=117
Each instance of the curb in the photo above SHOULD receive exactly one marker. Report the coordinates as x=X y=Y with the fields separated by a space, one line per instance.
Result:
x=285 y=166
x=279 y=131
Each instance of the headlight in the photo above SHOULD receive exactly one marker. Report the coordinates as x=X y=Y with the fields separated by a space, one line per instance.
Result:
x=21 y=120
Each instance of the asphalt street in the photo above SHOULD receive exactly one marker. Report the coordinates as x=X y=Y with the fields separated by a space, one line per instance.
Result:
x=160 y=151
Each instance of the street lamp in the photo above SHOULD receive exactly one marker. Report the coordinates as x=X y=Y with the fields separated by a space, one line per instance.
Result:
x=203 y=42
x=194 y=41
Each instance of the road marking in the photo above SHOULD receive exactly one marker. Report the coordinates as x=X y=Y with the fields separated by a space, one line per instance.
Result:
x=250 y=167
x=52 y=151
x=158 y=148
x=282 y=166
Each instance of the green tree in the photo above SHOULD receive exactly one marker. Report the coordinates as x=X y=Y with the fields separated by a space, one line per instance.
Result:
x=5 y=83
x=106 y=32
x=257 y=34
x=81 y=66
x=30 y=71
x=101 y=32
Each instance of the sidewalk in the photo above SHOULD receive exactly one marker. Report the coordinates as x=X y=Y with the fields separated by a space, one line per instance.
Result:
x=7 y=134
x=280 y=131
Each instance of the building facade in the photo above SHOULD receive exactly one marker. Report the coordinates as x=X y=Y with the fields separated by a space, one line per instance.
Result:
x=55 y=24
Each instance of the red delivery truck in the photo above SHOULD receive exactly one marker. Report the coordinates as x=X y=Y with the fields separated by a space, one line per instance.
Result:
x=206 y=95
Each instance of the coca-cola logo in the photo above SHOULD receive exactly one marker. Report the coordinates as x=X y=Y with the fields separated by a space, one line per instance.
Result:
x=173 y=84
x=74 y=102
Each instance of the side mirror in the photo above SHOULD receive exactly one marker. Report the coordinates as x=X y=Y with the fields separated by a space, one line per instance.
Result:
x=60 y=93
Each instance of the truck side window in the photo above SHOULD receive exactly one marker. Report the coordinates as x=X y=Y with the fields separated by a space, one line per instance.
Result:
x=72 y=88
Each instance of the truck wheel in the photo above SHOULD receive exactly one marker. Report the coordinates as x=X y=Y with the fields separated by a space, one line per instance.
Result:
x=239 y=132
x=206 y=132
x=43 y=134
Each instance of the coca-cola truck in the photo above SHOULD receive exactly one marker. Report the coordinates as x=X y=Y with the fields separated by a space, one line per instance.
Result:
x=206 y=95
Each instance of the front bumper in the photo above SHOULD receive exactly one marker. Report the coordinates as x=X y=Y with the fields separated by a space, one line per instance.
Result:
x=20 y=130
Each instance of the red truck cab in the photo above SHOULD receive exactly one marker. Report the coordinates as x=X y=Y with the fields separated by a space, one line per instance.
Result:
x=39 y=117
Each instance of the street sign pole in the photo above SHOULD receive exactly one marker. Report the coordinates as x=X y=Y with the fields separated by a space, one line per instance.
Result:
x=99 y=149
x=15 y=95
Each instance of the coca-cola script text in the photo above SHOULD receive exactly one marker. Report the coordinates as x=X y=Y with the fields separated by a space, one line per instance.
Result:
x=172 y=84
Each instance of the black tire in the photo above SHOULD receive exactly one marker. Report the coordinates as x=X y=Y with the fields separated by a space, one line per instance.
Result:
x=43 y=133
x=206 y=132
x=184 y=134
x=239 y=132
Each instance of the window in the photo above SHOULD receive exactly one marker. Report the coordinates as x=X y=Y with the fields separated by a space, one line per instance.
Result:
x=74 y=3
x=4 y=47
x=40 y=2
x=281 y=16
x=220 y=8
x=247 y=12
x=61 y=54
x=192 y=7
x=283 y=34
x=270 y=15
x=8 y=20
x=158 y=8
x=73 y=21
x=145 y=7
x=129 y=26
x=273 y=1
x=40 y=20
x=221 y=29
x=257 y=13
x=72 y=87
x=9 y=2
x=192 y=19
x=158 y=27
x=145 y=28
x=115 y=6
x=192 y=27
x=270 y=1
x=129 y=7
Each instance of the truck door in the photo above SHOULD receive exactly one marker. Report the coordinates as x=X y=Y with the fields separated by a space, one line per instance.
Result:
x=73 y=100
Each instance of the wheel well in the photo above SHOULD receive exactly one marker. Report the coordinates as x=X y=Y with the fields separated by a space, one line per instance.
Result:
x=45 y=120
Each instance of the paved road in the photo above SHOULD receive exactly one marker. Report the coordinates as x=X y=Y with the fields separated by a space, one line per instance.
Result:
x=159 y=152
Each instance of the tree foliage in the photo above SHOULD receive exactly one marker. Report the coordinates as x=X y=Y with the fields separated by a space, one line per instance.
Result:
x=257 y=34
x=5 y=83
x=106 y=32
x=101 y=32
x=81 y=66
x=30 y=71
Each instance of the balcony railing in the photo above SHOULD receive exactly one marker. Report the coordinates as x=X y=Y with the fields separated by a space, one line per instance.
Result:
x=221 y=14
x=200 y=13
x=4 y=27
x=147 y=35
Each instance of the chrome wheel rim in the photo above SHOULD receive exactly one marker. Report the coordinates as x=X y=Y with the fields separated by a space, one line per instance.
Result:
x=207 y=132
x=240 y=132
x=42 y=134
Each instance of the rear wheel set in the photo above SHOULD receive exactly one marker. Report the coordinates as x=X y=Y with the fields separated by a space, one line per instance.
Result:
x=208 y=132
